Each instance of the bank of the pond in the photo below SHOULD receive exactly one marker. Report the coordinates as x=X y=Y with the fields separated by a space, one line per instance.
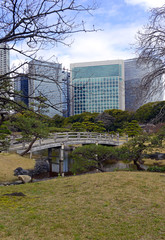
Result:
x=9 y=162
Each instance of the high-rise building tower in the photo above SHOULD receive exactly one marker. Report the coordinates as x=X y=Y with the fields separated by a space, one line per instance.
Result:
x=4 y=75
x=46 y=79
x=4 y=59
x=135 y=96
x=97 y=86
x=22 y=88
x=66 y=93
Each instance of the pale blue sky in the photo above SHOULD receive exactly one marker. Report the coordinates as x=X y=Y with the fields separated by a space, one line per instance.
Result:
x=119 y=20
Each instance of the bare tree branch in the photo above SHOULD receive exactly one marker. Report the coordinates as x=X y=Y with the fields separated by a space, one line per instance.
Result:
x=151 y=51
x=27 y=26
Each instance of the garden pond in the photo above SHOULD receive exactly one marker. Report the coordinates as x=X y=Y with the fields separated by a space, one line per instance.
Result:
x=55 y=164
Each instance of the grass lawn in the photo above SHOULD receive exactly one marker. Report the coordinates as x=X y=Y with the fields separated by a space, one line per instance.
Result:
x=9 y=162
x=112 y=206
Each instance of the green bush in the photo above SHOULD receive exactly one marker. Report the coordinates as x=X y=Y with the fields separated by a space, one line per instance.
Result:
x=92 y=157
x=156 y=169
x=55 y=129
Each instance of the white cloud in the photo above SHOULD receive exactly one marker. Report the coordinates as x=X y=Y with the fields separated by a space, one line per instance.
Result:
x=146 y=3
x=112 y=43
x=103 y=45
x=108 y=12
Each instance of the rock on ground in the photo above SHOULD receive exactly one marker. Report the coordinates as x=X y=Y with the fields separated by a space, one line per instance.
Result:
x=25 y=178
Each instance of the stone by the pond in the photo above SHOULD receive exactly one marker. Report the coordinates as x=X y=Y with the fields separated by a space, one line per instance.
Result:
x=20 y=171
x=25 y=178
x=40 y=167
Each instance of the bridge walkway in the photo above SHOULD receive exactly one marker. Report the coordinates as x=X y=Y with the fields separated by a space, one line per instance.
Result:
x=70 y=138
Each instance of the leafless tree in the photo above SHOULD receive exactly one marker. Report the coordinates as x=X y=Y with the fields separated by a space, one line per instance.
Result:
x=39 y=22
x=151 y=50
x=27 y=26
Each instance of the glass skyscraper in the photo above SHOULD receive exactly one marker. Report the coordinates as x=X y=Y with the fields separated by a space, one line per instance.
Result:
x=133 y=76
x=47 y=79
x=21 y=85
x=66 y=93
x=135 y=95
x=97 y=86
x=4 y=59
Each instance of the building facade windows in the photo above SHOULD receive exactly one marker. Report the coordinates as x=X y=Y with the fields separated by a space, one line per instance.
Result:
x=135 y=96
x=97 y=85
x=47 y=79
x=22 y=87
x=4 y=59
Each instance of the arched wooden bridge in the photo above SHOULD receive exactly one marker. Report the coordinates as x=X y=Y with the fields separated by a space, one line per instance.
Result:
x=71 y=138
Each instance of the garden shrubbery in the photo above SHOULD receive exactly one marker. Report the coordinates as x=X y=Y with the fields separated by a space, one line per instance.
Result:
x=156 y=169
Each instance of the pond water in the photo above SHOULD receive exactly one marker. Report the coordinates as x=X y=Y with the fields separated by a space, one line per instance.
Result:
x=66 y=165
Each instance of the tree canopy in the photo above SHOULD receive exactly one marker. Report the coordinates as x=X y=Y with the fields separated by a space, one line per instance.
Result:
x=30 y=126
x=92 y=157
x=152 y=112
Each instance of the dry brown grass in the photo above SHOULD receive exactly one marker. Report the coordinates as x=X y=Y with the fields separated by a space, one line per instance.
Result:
x=151 y=162
x=103 y=206
x=9 y=162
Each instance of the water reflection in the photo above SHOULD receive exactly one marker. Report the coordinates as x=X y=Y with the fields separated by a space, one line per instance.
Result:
x=110 y=167
x=56 y=164
x=54 y=160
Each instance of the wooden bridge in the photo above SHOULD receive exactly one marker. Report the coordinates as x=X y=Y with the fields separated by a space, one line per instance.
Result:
x=70 y=138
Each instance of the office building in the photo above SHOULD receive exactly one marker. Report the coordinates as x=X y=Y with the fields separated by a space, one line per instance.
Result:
x=4 y=75
x=4 y=59
x=133 y=76
x=135 y=95
x=97 y=86
x=22 y=89
x=66 y=93
x=46 y=79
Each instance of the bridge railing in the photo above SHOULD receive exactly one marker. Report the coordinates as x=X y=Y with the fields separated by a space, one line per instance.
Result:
x=75 y=136
x=85 y=135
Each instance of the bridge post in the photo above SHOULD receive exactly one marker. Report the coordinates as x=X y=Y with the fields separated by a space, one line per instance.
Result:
x=67 y=136
x=78 y=135
x=30 y=154
x=126 y=138
x=118 y=138
x=112 y=136
x=88 y=135
x=23 y=144
x=55 y=137
x=61 y=161
x=12 y=140
x=50 y=159
x=105 y=135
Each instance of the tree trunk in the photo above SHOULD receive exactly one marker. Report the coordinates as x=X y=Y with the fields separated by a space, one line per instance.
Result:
x=100 y=169
x=139 y=168
x=29 y=147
